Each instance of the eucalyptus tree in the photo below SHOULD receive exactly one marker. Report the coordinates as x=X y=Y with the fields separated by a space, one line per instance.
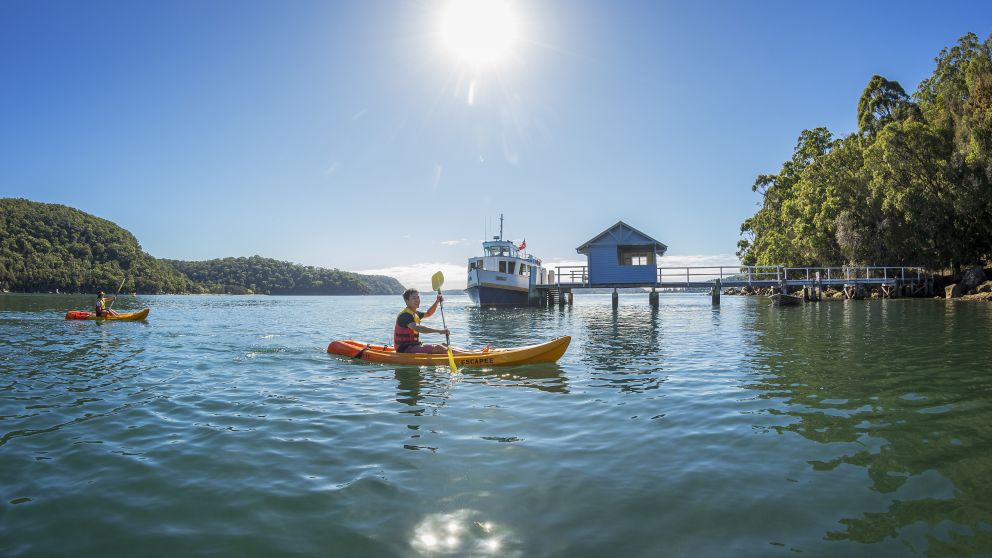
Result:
x=957 y=103
x=771 y=235
x=883 y=102
x=912 y=186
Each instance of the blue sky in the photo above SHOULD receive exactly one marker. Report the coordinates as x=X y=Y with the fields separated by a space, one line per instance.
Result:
x=343 y=135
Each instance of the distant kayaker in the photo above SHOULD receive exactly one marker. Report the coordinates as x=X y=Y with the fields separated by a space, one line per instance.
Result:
x=101 y=305
x=406 y=333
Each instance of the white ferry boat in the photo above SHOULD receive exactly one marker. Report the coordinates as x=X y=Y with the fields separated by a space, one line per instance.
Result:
x=504 y=275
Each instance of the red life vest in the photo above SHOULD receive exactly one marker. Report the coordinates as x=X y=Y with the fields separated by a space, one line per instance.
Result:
x=404 y=336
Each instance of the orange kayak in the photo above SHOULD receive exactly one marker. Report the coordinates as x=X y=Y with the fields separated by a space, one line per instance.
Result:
x=550 y=351
x=122 y=317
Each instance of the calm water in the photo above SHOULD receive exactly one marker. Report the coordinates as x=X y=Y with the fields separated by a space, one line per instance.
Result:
x=221 y=428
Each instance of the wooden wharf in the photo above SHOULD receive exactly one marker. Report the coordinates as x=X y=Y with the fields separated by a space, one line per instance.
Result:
x=854 y=282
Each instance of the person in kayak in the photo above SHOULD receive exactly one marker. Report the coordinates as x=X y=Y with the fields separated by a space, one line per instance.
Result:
x=101 y=305
x=406 y=333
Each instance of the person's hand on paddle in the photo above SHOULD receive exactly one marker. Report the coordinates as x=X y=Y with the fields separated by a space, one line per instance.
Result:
x=440 y=299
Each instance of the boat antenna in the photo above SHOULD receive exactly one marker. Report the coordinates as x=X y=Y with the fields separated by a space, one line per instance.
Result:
x=501 y=226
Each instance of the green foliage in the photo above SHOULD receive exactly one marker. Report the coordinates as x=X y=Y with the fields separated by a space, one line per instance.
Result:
x=44 y=247
x=882 y=102
x=268 y=276
x=913 y=186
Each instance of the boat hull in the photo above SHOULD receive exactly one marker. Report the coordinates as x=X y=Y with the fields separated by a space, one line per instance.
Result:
x=122 y=317
x=550 y=351
x=495 y=296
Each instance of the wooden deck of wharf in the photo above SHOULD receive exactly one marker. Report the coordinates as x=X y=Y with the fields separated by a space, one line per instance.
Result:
x=854 y=282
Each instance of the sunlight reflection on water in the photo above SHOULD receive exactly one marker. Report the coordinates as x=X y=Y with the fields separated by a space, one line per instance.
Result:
x=462 y=533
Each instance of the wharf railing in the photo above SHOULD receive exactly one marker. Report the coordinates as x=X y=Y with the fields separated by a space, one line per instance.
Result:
x=755 y=276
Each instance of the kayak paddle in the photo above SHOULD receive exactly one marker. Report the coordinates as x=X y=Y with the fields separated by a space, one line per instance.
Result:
x=118 y=293
x=436 y=281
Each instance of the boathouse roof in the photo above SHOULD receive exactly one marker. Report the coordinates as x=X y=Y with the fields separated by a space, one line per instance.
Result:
x=623 y=234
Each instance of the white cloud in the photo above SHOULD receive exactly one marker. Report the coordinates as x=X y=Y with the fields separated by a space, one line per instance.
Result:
x=418 y=276
x=714 y=260
x=453 y=242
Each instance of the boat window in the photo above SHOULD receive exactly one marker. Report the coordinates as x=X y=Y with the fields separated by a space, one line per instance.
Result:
x=511 y=267
x=502 y=266
x=523 y=269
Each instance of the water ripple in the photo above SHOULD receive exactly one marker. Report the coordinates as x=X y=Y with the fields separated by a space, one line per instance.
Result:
x=222 y=427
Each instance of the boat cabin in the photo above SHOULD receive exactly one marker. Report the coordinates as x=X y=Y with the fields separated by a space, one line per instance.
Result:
x=502 y=256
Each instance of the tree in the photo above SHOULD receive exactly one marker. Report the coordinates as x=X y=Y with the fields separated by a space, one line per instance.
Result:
x=913 y=186
x=882 y=102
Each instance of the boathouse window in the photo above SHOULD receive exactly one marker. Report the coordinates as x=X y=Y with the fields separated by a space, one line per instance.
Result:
x=502 y=266
x=634 y=255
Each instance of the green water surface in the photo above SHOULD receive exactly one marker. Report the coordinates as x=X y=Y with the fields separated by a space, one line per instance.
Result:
x=221 y=427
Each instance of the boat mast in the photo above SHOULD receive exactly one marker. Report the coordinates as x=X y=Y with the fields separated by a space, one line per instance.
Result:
x=501 y=226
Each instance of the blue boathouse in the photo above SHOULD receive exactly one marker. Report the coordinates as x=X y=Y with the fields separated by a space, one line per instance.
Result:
x=622 y=255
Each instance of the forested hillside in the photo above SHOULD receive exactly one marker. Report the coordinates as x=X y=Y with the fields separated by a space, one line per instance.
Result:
x=913 y=185
x=265 y=275
x=44 y=247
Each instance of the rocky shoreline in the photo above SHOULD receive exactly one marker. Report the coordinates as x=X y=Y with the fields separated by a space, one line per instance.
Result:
x=973 y=284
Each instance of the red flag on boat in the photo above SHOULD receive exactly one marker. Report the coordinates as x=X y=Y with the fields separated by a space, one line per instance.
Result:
x=522 y=245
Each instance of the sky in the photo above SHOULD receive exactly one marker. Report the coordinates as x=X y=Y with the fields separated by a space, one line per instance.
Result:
x=389 y=136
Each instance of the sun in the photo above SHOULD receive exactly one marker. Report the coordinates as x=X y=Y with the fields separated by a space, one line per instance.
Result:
x=479 y=32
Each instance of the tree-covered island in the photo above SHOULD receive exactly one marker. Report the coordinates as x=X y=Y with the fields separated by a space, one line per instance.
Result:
x=48 y=247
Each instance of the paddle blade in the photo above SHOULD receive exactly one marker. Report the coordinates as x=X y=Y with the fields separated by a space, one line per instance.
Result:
x=437 y=280
x=451 y=361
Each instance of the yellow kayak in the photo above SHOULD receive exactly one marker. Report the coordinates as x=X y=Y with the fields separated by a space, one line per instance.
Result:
x=550 y=351
x=122 y=317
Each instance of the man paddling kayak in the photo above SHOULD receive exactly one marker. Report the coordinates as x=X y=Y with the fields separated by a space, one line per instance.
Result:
x=101 y=305
x=406 y=333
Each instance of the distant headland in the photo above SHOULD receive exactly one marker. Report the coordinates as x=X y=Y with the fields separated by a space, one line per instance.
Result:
x=55 y=248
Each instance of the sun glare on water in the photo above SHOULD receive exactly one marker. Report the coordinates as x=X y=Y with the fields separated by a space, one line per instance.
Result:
x=479 y=31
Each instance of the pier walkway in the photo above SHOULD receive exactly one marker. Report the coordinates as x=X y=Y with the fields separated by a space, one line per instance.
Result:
x=853 y=281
